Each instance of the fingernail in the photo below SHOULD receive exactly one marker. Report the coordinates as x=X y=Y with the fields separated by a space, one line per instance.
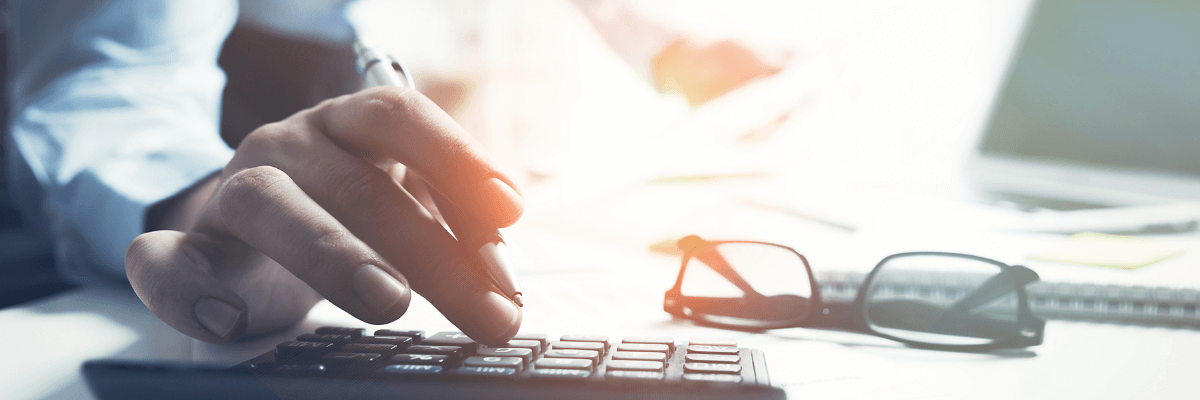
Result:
x=504 y=204
x=378 y=289
x=494 y=320
x=217 y=316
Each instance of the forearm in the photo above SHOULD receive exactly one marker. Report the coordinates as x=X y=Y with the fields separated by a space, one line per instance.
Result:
x=114 y=109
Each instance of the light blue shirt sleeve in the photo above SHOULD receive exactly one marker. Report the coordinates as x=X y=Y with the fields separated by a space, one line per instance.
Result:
x=114 y=106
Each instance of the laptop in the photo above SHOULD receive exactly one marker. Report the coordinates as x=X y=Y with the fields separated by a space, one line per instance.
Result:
x=1100 y=108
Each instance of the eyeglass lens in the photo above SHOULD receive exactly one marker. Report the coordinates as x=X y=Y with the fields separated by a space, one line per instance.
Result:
x=747 y=284
x=942 y=299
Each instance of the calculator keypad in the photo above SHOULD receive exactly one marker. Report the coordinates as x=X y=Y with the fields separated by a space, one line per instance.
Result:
x=337 y=351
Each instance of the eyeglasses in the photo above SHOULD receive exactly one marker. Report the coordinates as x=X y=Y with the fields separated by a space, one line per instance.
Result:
x=933 y=300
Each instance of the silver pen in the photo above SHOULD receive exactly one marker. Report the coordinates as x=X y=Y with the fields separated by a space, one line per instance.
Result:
x=379 y=69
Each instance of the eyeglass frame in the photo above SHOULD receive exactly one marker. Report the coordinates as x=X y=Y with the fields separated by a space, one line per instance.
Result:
x=1029 y=328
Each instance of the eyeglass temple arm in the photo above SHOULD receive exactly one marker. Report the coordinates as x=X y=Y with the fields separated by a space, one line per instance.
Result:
x=995 y=287
x=713 y=259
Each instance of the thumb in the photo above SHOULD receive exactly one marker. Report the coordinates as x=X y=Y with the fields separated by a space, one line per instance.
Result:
x=182 y=293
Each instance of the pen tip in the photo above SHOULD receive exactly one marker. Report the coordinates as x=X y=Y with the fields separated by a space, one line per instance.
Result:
x=516 y=298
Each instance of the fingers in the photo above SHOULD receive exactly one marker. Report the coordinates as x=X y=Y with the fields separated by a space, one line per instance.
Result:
x=378 y=210
x=263 y=207
x=403 y=125
x=180 y=292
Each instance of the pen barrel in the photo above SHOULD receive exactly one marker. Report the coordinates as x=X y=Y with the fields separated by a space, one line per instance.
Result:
x=469 y=231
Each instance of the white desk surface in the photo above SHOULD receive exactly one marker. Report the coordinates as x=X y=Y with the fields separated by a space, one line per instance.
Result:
x=891 y=94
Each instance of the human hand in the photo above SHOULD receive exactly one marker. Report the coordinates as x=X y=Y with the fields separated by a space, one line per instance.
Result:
x=314 y=206
x=703 y=71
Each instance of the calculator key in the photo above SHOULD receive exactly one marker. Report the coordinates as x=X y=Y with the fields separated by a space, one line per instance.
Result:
x=716 y=378
x=713 y=358
x=301 y=368
x=534 y=346
x=584 y=338
x=525 y=355
x=298 y=350
x=662 y=348
x=377 y=348
x=635 y=375
x=597 y=347
x=566 y=374
x=455 y=353
x=667 y=340
x=425 y=359
x=354 y=333
x=639 y=355
x=635 y=365
x=318 y=337
x=567 y=363
x=580 y=354
x=487 y=371
x=417 y=336
x=712 y=349
x=712 y=368
x=451 y=339
x=401 y=342
x=540 y=337
x=712 y=342
x=501 y=362
x=349 y=359
x=413 y=369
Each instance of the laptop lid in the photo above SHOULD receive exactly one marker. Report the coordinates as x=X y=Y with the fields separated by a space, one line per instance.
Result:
x=1101 y=105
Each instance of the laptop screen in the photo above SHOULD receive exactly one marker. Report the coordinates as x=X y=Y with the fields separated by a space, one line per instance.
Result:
x=1105 y=83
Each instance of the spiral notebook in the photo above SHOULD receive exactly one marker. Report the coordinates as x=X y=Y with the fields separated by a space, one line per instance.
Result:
x=1061 y=300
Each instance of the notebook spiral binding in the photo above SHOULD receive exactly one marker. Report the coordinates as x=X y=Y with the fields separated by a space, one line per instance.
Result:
x=1065 y=301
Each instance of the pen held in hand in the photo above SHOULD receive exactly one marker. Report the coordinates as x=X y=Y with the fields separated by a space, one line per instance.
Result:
x=379 y=69
x=486 y=241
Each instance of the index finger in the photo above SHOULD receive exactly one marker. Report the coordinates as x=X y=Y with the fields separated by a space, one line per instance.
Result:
x=401 y=124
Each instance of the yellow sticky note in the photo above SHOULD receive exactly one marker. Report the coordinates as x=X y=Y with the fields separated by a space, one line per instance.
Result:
x=1111 y=251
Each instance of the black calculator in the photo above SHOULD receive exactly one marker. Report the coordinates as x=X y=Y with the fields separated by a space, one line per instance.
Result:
x=340 y=362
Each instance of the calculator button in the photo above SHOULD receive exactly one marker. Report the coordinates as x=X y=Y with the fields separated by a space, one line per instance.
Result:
x=377 y=348
x=568 y=363
x=597 y=347
x=584 y=338
x=501 y=362
x=639 y=355
x=453 y=352
x=525 y=355
x=534 y=346
x=662 y=348
x=413 y=369
x=301 y=368
x=712 y=349
x=401 y=342
x=487 y=371
x=318 y=337
x=635 y=365
x=718 y=378
x=354 y=333
x=417 y=336
x=425 y=359
x=539 y=337
x=554 y=373
x=296 y=350
x=712 y=367
x=451 y=339
x=667 y=340
x=713 y=358
x=580 y=354
x=349 y=359
x=713 y=342
x=635 y=375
